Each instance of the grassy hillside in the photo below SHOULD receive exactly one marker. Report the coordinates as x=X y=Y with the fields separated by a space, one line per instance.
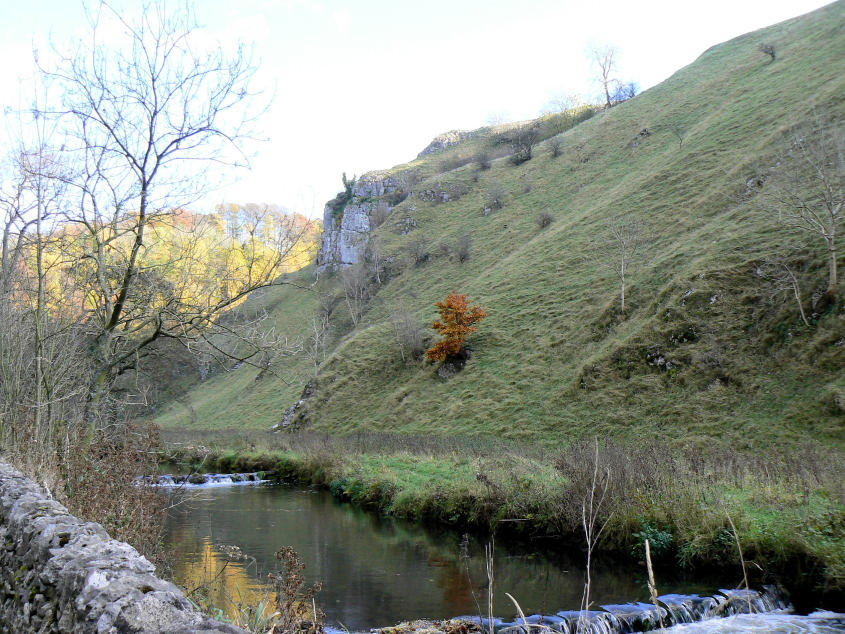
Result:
x=555 y=359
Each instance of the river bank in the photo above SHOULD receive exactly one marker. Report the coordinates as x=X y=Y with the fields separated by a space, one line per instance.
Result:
x=787 y=508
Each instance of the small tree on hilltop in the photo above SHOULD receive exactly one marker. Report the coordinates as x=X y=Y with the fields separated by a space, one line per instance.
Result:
x=457 y=321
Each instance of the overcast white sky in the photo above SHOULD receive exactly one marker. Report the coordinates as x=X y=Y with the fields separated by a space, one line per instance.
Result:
x=367 y=84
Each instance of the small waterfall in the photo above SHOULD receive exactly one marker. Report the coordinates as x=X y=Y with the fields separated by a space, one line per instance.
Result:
x=730 y=602
x=687 y=608
x=638 y=617
x=766 y=623
x=766 y=610
x=204 y=480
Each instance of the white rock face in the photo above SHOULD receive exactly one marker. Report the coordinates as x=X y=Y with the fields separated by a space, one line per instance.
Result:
x=345 y=236
x=442 y=141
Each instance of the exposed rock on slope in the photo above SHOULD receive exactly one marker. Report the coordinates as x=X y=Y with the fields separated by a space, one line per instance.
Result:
x=347 y=229
x=442 y=141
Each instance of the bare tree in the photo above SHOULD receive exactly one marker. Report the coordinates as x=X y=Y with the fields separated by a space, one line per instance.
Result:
x=141 y=124
x=806 y=191
x=41 y=353
x=379 y=214
x=560 y=103
x=679 y=132
x=621 y=247
x=591 y=510
x=604 y=59
x=356 y=290
x=375 y=255
x=408 y=333
x=497 y=117
x=418 y=250
x=315 y=347
x=778 y=271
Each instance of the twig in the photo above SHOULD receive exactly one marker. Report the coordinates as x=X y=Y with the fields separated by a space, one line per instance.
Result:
x=652 y=586
x=519 y=611
x=741 y=560
x=488 y=558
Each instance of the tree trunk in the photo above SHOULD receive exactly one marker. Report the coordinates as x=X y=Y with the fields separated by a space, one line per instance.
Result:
x=39 y=313
x=796 y=292
x=622 y=278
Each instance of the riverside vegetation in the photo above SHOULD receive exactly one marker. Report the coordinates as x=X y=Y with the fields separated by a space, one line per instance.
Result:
x=712 y=397
x=786 y=507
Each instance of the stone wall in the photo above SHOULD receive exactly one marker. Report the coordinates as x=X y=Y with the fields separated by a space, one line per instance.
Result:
x=60 y=574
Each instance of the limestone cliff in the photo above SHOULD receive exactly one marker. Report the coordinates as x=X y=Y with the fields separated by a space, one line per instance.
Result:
x=442 y=141
x=348 y=219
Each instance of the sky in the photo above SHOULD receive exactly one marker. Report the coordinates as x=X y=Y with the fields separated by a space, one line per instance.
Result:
x=365 y=85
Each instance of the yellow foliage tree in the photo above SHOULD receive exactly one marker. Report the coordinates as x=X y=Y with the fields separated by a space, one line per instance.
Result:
x=457 y=320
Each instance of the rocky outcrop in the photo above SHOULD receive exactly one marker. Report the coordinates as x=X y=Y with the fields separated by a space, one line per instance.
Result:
x=442 y=141
x=348 y=219
x=347 y=229
x=60 y=574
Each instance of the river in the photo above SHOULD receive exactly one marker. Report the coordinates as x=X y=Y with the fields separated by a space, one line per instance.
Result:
x=378 y=571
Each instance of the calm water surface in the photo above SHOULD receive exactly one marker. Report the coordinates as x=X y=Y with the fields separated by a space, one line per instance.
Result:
x=376 y=571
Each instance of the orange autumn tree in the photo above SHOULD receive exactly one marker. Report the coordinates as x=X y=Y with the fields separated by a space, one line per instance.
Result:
x=456 y=322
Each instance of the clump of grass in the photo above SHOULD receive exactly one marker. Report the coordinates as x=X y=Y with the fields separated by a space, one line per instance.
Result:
x=295 y=602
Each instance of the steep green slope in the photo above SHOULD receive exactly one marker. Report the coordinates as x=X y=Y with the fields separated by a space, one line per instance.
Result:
x=244 y=396
x=555 y=359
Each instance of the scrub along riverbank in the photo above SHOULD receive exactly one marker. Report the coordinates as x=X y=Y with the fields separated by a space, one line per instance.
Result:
x=785 y=510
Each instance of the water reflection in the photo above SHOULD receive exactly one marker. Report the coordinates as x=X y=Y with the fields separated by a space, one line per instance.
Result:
x=374 y=571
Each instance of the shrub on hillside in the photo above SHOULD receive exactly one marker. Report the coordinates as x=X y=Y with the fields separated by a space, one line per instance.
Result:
x=523 y=140
x=410 y=179
x=339 y=202
x=461 y=250
x=395 y=197
x=526 y=184
x=555 y=146
x=457 y=321
x=495 y=198
x=544 y=219
x=767 y=49
x=454 y=162
x=408 y=333
x=418 y=251
x=379 y=215
x=483 y=160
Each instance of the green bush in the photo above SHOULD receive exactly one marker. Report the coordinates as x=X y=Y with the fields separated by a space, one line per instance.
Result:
x=660 y=541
